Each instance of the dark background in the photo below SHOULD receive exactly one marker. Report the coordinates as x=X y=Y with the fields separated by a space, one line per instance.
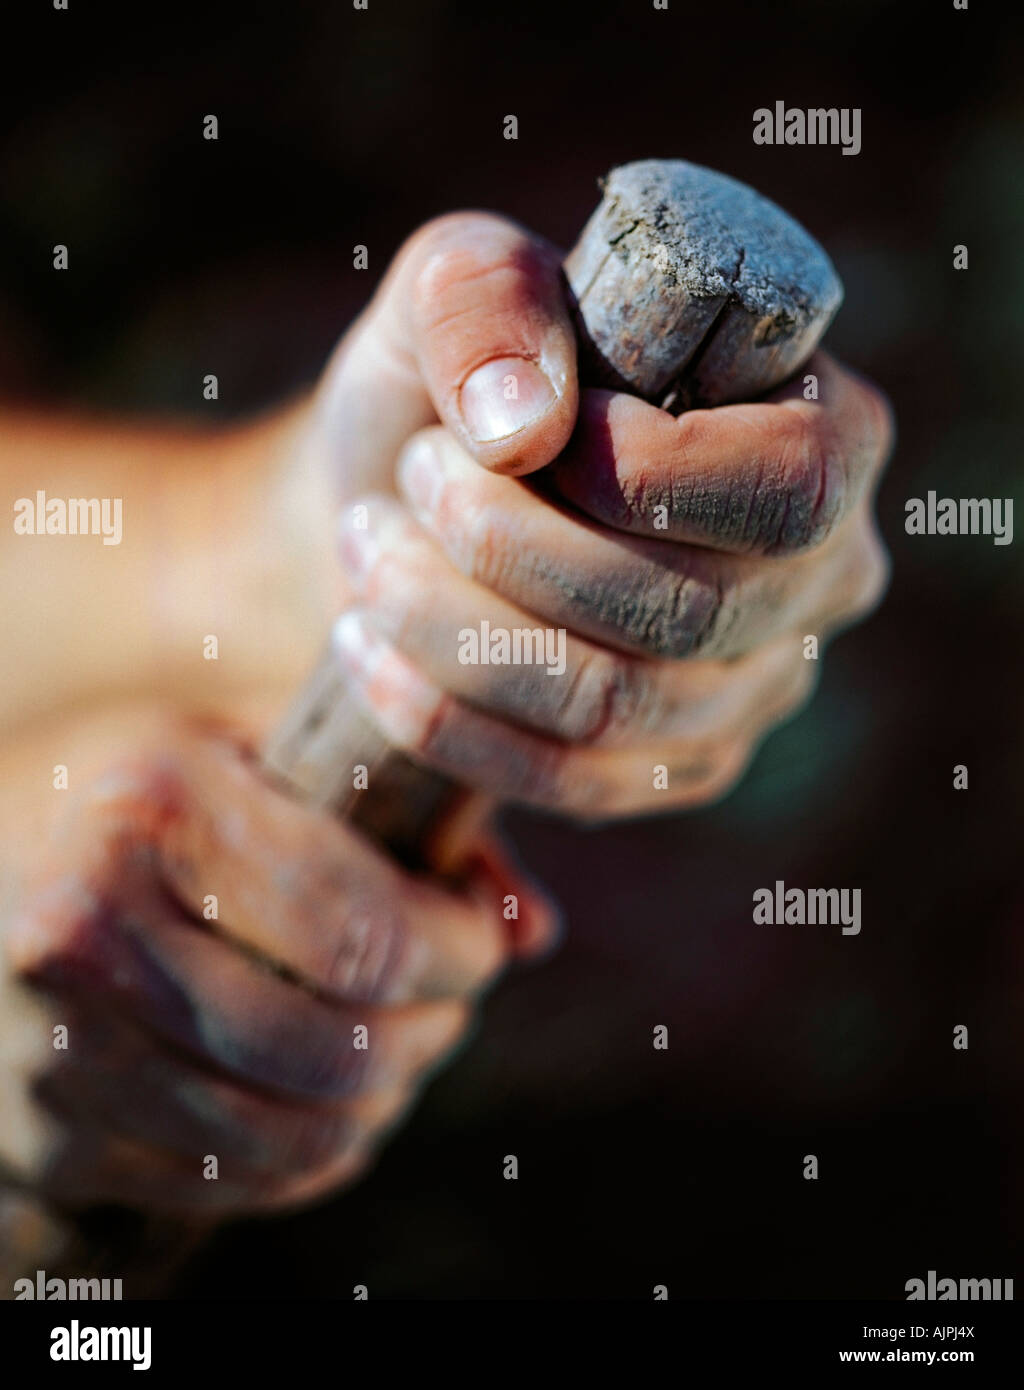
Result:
x=636 y=1167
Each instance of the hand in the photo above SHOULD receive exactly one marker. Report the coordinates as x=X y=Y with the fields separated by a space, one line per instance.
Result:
x=237 y=1035
x=686 y=558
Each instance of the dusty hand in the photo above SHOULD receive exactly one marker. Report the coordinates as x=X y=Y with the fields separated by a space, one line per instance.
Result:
x=687 y=559
x=183 y=1041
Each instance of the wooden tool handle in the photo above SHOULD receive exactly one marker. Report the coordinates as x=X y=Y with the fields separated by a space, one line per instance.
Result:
x=688 y=289
x=325 y=736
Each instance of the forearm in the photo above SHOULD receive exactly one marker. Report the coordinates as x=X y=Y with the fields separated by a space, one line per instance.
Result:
x=223 y=533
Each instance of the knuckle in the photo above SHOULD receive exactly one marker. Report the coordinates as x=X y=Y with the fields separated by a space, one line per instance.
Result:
x=535 y=773
x=361 y=944
x=609 y=698
x=703 y=773
x=418 y=1037
x=308 y=877
x=317 y=1140
x=451 y=1021
x=289 y=1194
x=461 y=257
x=139 y=796
x=794 y=692
x=875 y=574
x=573 y=784
x=399 y=589
x=705 y=613
x=727 y=766
x=695 y=713
x=486 y=548
x=365 y=959
x=669 y=613
x=867 y=577
x=552 y=779
x=338 y=1068
x=881 y=429
x=375 y=1116
x=462 y=227
x=61 y=930
x=815 y=495
x=437 y=732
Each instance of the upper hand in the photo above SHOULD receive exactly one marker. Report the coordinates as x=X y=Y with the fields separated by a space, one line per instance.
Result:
x=686 y=558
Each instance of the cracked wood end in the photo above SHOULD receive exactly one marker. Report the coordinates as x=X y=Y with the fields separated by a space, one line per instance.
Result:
x=692 y=289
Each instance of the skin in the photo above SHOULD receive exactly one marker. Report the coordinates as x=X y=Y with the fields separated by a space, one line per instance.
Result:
x=191 y=1036
x=231 y=1036
x=684 y=644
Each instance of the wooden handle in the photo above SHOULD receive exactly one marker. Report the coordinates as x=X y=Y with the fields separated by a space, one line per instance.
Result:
x=424 y=819
x=688 y=289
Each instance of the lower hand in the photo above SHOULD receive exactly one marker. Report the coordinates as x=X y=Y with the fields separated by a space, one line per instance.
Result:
x=239 y=1036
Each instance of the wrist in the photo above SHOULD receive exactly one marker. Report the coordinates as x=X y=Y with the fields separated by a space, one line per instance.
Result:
x=255 y=567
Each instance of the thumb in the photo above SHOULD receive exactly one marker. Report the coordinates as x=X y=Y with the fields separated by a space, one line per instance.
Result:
x=470 y=326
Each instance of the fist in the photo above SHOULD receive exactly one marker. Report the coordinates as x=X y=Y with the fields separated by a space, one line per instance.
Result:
x=668 y=568
x=232 y=998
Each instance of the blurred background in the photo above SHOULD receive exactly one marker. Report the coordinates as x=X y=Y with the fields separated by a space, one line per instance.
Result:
x=680 y=1167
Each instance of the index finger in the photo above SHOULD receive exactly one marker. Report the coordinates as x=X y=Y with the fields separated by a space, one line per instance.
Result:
x=771 y=477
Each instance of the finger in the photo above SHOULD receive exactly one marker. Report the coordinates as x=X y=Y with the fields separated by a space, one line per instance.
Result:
x=300 y=887
x=768 y=478
x=222 y=1007
x=559 y=684
x=116 y=1077
x=573 y=689
x=651 y=597
x=471 y=325
x=86 y=1166
x=514 y=764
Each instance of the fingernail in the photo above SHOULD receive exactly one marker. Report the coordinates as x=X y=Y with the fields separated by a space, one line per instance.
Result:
x=401 y=702
x=503 y=397
x=359 y=551
x=420 y=475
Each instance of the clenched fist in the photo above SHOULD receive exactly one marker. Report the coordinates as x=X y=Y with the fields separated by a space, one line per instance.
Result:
x=686 y=559
x=218 y=973
x=244 y=979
